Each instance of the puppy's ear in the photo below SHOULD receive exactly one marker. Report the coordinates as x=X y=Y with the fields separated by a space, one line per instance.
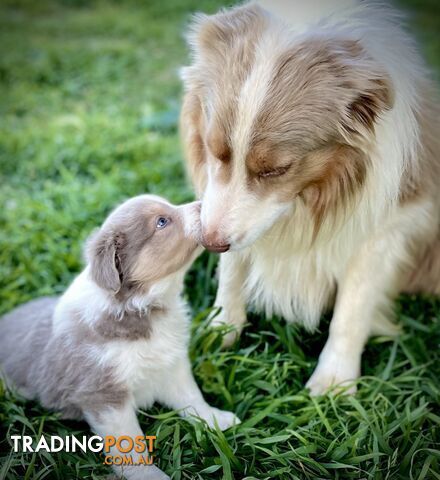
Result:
x=104 y=253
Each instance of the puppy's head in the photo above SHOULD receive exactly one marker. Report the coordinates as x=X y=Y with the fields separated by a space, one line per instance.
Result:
x=144 y=240
x=270 y=120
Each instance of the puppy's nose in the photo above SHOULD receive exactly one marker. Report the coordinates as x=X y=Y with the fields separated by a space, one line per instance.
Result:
x=214 y=243
x=193 y=208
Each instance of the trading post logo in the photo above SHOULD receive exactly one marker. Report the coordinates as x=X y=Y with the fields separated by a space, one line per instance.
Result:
x=122 y=450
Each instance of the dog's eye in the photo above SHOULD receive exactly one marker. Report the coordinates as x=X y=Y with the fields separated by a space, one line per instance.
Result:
x=276 y=172
x=161 y=222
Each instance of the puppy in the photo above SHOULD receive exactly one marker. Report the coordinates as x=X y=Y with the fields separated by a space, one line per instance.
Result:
x=312 y=134
x=118 y=337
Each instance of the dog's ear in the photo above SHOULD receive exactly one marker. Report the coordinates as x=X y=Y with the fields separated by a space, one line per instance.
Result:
x=191 y=131
x=215 y=35
x=367 y=86
x=104 y=253
x=364 y=110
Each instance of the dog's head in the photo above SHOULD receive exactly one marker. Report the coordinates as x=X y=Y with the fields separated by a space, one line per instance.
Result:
x=270 y=120
x=142 y=241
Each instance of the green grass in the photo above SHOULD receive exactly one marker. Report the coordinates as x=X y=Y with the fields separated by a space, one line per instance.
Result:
x=89 y=104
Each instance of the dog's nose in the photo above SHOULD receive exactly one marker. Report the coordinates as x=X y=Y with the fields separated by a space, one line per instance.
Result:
x=212 y=242
x=216 y=248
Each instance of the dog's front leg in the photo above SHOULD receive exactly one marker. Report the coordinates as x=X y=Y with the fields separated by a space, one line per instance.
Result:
x=230 y=297
x=119 y=422
x=363 y=307
x=180 y=391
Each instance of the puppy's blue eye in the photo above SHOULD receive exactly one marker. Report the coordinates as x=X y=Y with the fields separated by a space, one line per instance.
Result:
x=161 y=222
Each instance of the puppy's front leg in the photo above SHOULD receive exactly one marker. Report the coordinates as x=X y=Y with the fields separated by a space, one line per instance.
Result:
x=179 y=390
x=118 y=422
x=232 y=275
x=363 y=306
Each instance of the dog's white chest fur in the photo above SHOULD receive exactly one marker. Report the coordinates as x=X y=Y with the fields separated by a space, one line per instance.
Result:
x=291 y=278
x=289 y=286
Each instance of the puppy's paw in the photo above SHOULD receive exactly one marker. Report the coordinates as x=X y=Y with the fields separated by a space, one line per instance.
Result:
x=154 y=473
x=222 y=418
x=334 y=370
x=157 y=474
x=235 y=320
x=143 y=472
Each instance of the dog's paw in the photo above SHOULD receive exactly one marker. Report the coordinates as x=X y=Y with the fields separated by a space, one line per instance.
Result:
x=235 y=320
x=230 y=338
x=332 y=371
x=224 y=419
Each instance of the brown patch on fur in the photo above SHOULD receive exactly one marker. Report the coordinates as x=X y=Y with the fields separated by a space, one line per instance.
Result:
x=327 y=179
x=410 y=188
x=191 y=127
x=218 y=145
x=368 y=105
x=317 y=85
x=265 y=160
x=131 y=325
x=331 y=179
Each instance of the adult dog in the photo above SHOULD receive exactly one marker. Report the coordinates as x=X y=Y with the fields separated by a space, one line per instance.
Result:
x=312 y=133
